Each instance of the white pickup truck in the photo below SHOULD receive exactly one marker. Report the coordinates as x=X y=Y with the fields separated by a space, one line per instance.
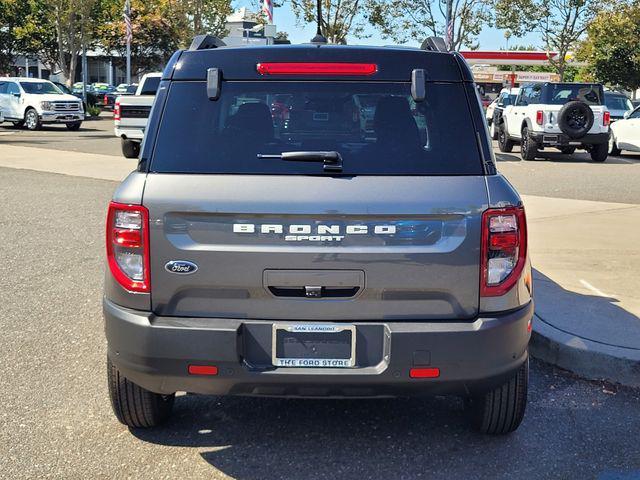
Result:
x=565 y=116
x=131 y=112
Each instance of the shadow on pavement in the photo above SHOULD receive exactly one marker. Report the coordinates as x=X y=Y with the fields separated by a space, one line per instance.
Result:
x=507 y=157
x=559 y=157
x=591 y=317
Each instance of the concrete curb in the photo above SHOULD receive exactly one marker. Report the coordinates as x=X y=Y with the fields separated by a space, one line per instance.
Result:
x=586 y=358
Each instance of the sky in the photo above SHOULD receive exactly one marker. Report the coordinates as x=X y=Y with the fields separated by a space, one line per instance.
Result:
x=285 y=20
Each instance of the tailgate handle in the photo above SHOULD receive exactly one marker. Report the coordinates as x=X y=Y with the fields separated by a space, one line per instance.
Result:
x=314 y=283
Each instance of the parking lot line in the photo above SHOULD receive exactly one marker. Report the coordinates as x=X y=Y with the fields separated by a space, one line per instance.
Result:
x=595 y=290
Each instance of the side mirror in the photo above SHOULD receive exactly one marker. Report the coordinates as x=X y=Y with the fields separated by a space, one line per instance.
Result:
x=626 y=114
x=17 y=95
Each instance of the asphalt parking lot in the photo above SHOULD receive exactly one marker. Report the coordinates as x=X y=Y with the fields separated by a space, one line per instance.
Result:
x=95 y=136
x=57 y=423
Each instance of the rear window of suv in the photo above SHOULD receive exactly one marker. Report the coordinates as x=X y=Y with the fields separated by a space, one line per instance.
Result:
x=375 y=126
x=561 y=93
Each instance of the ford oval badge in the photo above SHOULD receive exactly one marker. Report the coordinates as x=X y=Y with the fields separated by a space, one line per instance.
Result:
x=181 y=267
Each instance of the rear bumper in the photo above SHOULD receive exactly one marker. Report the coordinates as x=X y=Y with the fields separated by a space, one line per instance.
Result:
x=473 y=356
x=131 y=133
x=560 y=139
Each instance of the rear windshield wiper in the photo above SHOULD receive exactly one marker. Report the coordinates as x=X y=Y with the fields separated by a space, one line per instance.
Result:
x=332 y=161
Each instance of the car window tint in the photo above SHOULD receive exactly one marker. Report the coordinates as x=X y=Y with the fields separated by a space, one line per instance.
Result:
x=560 y=94
x=150 y=86
x=376 y=127
x=523 y=100
x=616 y=102
x=535 y=94
x=12 y=88
x=40 y=88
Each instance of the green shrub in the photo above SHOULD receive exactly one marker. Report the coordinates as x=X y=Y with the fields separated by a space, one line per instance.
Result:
x=93 y=110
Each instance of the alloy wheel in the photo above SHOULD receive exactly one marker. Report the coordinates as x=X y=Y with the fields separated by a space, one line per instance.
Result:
x=31 y=120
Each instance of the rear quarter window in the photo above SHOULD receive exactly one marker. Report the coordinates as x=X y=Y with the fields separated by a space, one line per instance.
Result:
x=376 y=127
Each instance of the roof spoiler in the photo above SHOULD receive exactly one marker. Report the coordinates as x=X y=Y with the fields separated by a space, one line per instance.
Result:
x=205 y=42
x=434 y=44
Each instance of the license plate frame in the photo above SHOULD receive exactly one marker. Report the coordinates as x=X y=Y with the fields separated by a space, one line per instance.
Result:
x=316 y=328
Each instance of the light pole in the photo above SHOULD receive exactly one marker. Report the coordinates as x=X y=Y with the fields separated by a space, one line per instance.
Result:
x=507 y=36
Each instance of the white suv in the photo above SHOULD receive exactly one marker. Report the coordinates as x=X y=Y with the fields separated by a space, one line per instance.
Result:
x=565 y=116
x=32 y=102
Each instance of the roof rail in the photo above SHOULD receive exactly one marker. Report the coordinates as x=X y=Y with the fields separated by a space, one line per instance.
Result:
x=204 y=42
x=434 y=44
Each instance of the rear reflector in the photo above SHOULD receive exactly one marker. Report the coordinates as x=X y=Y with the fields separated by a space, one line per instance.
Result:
x=203 y=370
x=432 y=372
x=305 y=68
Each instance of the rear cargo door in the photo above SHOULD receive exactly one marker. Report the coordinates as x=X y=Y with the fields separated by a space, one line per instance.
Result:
x=378 y=248
x=394 y=234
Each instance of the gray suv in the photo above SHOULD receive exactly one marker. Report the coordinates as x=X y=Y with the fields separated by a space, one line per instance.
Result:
x=279 y=240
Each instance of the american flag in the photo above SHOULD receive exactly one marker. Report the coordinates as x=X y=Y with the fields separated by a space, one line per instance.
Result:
x=128 y=35
x=449 y=39
x=267 y=9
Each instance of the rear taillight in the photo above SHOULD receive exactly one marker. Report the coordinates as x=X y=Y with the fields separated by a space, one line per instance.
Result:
x=504 y=249
x=128 y=246
x=105 y=99
x=116 y=110
x=606 y=119
x=539 y=117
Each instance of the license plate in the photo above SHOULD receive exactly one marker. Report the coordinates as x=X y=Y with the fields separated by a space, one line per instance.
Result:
x=313 y=345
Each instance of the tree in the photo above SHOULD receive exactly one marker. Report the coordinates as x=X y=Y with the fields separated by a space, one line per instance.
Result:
x=159 y=28
x=403 y=20
x=25 y=30
x=207 y=16
x=54 y=30
x=561 y=23
x=339 y=17
x=612 y=49
x=8 y=41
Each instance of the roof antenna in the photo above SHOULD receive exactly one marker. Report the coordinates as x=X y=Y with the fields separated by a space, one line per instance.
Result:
x=319 y=38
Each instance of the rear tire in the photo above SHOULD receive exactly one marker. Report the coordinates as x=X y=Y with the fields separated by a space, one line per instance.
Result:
x=133 y=405
x=528 y=147
x=600 y=152
x=74 y=127
x=568 y=150
x=18 y=124
x=504 y=144
x=501 y=410
x=130 y=149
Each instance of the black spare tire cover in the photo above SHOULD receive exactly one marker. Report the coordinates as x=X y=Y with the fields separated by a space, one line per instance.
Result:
x=575 y=119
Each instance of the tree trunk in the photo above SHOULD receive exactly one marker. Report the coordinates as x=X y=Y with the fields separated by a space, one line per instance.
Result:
x=73 y=63
x=62 y=64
